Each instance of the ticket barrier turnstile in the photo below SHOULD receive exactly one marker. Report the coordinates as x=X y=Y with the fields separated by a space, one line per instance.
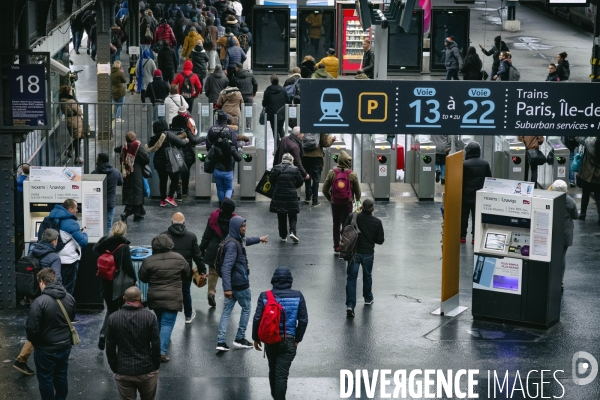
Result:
x=203 y=179
x=383 y=165
x=509 y=160
x=251 y=168
x=331 y=155
x=558 y=162
x=424 y=170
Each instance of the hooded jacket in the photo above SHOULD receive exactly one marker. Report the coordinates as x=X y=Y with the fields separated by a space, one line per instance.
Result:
x=222 y=41
x=245 y=81
x=186 y=244
x=230 y=99
x=200 y=60
x=167 y=62
x=453 y=57
x=235 y=263
x=475 y=170
x=590 y=167
x=321 y=73
x=245 y=31
x=46 y=253
x=214 y=84
x=113 y=179
x=371 y=232
x=292 y=79
x=216 y=141
x=494 y=52
x=472 y=66
x=563 y=70
x=69 y=228
x=117 y=81
x=296 y=315
x=290 y=144
x=217 y=228
x=531 y=142
x=164 y=32
x=47 y=328
x=145 y=68
x=164 y=271
x=553 y=77
x=122 y=256
x=172 y=103
x=187 y=71
x=285 y=179
x=157 y=90
x=73 y=115
x=133 y=184
x=124 y=10
x=504 y=69
x=274 y=98
x=190 y=42
x=307 y=68
x=344 y=162
x=332 y=64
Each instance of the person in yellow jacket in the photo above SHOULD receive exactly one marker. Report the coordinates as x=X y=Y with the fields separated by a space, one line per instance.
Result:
x=314 y=33
x=190 y=42
x=332 y=63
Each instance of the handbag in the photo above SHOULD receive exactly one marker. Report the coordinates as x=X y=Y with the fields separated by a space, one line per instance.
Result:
x=199 y=280
x=74 y=335
x=261 y=118
x=147 y=171
x=264 y=186
x=577 y=162
x=536 y=157
x=146 y=187
x=175 y=160
x=121 y=283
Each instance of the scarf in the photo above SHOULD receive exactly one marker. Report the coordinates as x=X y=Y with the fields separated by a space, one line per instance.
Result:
x=140 y=70
x=135 y=304
x=128 y=157
x=213 y=222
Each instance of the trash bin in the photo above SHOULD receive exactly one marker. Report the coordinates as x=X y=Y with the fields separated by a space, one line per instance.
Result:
x=138 y=254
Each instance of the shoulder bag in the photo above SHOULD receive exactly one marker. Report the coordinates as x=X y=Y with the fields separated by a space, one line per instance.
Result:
x=147 y=171
x=261 y=118
x=175 y=160
x=121 y=282
x=535 y=156
x=577 y=160
x=264 y=186
x=74 y=335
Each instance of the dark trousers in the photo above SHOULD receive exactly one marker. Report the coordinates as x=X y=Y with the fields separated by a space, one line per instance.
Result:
x=452 y=74
x=279 y=134
x=340 y=213
x=163 y=177
x=51 y=372
x=187 y=298
x=185 y=180
x=111 y=307
x=280 y=358
x=135 y=210
x=313 y=166
x=494 y=73
x=282 y=223
x=589 y=188
x=190 y=102
x=69 y=276
x=467 y=207
x=534 y=172
x=366 y=260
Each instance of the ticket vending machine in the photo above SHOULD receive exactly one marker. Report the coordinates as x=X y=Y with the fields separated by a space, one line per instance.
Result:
x=518 y=253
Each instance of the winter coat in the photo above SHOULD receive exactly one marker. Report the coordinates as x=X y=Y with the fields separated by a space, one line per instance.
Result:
x=235 y=262
x=186 y=244
x=315 y=22
x=149 y=67
x=214 y=35
x=495 y=53
x=296 y=315
x=146 y=22
x=307 y=68
x=246 y=82
x=211 y=238
x=274 y=98
x=368 y=63
x=371 y=232
x=167 y=62
x=214 y=84
x=553 y=77
x=292 y=79
x=47 y=328
x=113 y=179
x=321 y=73
x=187 y=71
x=164 y=272
x=234 y=25
x=73 y=116
x=158 y=145
x=133 y=184
x=189 y=154
x=324 y=141
x=124 y=10
x=48 y=257
x=230 y=101
x=563 y=70
x=123 y=262
x=200 y=60
x=442 y=144
x=233 y=56
x=290 y=144
x=590 y=167
x=475 y=170
x=246 y=32
x=285 y=179
x=570 y=215
x=179 y=27
x=189 y=43
x=504 y=70
x=117 y=80
x=117 y=33
x=222 y=41
x=172 y=103
x=157 y=90
x=344 y=162
x=70 y=233
x=532 y=142
x=453 y=58
x=222 y=161
x=471 y=69
x=164 y=32
x=332 y=65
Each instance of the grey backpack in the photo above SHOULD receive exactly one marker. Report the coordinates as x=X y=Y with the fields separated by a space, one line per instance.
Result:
x=311 y=141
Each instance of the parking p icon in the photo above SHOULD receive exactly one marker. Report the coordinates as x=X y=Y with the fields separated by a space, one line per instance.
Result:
x=372 y=107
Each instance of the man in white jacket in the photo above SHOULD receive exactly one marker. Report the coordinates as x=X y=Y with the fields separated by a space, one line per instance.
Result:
x=173 y=102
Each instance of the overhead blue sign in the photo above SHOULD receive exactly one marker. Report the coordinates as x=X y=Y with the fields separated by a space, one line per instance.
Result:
x=28 y=95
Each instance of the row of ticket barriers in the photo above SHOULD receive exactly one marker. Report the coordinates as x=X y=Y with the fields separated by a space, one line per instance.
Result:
x=377 y=157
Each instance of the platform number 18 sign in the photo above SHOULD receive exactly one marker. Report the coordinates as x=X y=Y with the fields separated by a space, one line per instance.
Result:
x=28 y=95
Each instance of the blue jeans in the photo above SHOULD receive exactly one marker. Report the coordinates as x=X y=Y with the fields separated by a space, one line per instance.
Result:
x=110 y=214
x=69 y=276
x=77 y=36
x=224 y=181
x=118 y=106
x=366 y=260
x=452 y=74
x=187 y=298
x=166 y=321
x=51 y=372
x=244 y=298
x=442 y=169
x=177 y=48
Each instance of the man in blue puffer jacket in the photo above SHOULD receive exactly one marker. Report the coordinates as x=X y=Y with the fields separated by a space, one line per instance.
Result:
x=282 y=354
x=236 y=285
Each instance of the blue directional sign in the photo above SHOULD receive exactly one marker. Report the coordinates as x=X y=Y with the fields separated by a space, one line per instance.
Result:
x=449 y=107
x=28 y=95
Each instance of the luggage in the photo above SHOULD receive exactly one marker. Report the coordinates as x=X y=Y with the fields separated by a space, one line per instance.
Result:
x=138 y=254
x=399 y=157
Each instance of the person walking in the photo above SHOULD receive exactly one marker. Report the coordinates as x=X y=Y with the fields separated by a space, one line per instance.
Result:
x=475 y=170
x=173 y=103
x=505 y=66
x=164 y=33
x=292 y=144
x=552 y=75
x=77 y=28
x=312 y=160
x=453 y=59
x=74 y=119
x=341 y=186
x=442 y=148
x=118 y=245
x=187 y=128
x=245 y=81
x=495 y=53
x=308 y=66
x=211 y=35
x=471 y=70
x=223 y=151
x=157 y=90
x=563 y=70
x=216 y=230
x=281 y=355
x=274 y=99
x=191 y=40
x=200 y=60
x=331 y=62
x=234 y=55
x=116 y=39
x=133 y=159
x=371 y=233
x=236 y=285
x=117 y=79
x=230 y=101
x=145 y=72
x=321 y=72
x=113 y=179
x=189 y=84
x=285 y=179
x=215 y=84
x=133 y=348
x=367 y=65
x=531 y=143
x=590 y=175
x=223 y=44
x=167 y=62
x=185 y=243
x=48 y=330
x=74 y=239
x=164 y=271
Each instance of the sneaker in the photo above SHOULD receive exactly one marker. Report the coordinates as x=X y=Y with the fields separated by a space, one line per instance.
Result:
x=186 y=194
x=463 y=240
x=243 y=343
x=190 y=319
x=306 y=201
x=164 y=359
x=349 y=312
x=316 y=204
x=118 y=120
x=294 y=238
x=222 y=347
x=581 y=217
x=284 y=239
x=179 y=198
x=572 y=184
x=171 y=201
x=211 y=300
x=443 y=181
x=369 y=303
x=336 y=249
x=163 y=203
x=23 y=368
x=438 y=174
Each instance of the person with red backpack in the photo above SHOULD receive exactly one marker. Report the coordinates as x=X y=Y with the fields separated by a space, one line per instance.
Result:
x=189 y=85
x=339 y=188
x=280 y=331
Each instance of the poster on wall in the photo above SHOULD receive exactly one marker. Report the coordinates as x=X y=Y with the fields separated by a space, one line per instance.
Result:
x=507 y=186
x=497 y=274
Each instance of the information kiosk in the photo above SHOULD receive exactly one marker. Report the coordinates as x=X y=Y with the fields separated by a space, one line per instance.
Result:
x=518 y=253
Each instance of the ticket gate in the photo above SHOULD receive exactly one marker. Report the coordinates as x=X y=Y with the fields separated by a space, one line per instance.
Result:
x=424 y=169
x=509 y=158
x=558 y=162
x=331 y=156
x=251 y=168
x=383 y=164
x=203 y=179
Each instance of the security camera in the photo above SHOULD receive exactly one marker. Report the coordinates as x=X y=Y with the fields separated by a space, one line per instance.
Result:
x=59 y=67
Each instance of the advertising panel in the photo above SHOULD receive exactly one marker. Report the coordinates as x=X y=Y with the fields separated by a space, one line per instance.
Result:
x=498 y=274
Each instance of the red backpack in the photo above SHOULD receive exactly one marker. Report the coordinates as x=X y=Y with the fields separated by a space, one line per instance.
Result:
x=268 y=330
x=341 y=190
x=106 y=264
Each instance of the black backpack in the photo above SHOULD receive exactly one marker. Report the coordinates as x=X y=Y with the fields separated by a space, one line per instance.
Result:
x=52 y=223
x=220 y=256
x=349 y=239
x=25 y=274
x=114 y=39
x=208 y=42
x=187 y=89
